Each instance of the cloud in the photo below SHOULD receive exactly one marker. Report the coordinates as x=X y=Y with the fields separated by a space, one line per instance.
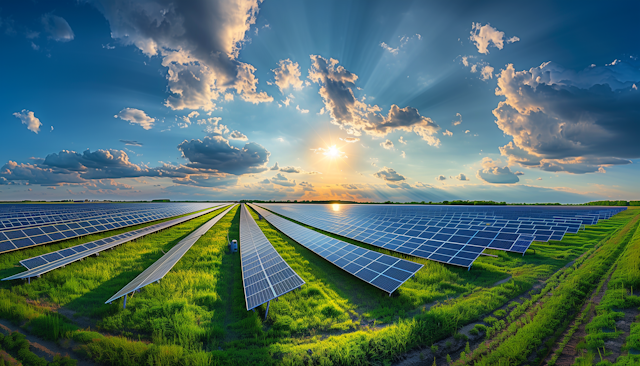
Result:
x=461 y=176
x=58 y=28
x=281 y=180
x=576 y=122
x=209 y=181
x=214 y=127
x=484 y=36
x=441 y=178
x=287 y=74
x=388 y=144
x=458 y=119
x=389 y=175
x=275 y=166
x=215 y=153
x=29 y=119
x=518 y=173
x=402 y=140
x=350 y=139
x=403 y=155
x=198 y=41
x=187 y=119
x=402 y=42
x=355 y=116
x=494 y=174
x=307 y=187
x=487 y=72
x=447 y=133
x=303 y=111
x=131 y=142
x=291 y=169
x=237 y=135
x=136 y=117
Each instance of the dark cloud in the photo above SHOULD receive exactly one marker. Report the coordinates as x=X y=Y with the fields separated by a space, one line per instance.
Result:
x=198 y=41
x=131 y=143
x=275 y=166
x=96 y=165
x=389 y=175
x=461 y=177
x=356 y=116
x=281 y=180
x=215 y=153
x=441 y=177
x=58 y=28
x=399 y=185
x=291 y=169
x=211 y=181
x=492 y=173
x=576 y=122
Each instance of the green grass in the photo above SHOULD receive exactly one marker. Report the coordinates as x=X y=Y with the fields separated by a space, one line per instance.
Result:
x=545 y=322
x=197 y=314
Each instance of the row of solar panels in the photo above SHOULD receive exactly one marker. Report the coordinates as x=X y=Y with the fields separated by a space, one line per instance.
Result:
x=540 y=231
x=459 y=247
x=162 y=266
x=19 y=239
x=585 y=219
x=39 y=265
x=380 y=270
x=265 y=275
x=459 y=243
x=508 y=212
x=24 y=220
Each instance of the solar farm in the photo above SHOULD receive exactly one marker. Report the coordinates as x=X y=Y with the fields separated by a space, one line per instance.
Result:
x=320 y=284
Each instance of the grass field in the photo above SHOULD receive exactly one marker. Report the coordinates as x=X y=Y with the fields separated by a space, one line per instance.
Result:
x=196 y=315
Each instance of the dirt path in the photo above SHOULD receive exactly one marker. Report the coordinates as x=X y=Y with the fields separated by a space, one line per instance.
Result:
x=42 y=348
x=615 y=345
x=453 y=347
x=570 y=351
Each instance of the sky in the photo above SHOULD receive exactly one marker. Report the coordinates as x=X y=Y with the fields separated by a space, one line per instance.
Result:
x=296 y=100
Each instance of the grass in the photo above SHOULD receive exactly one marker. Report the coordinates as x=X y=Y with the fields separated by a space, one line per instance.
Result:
x=541 y=321
x=197 y=314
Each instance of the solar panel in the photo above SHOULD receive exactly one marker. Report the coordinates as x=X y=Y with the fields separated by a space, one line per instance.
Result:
x=42 y=264
x=380 y=270
x=460 y=247
x=162 y=266
x=23 y=238
x=445 y=234
x=30 y=219
x=265 y=275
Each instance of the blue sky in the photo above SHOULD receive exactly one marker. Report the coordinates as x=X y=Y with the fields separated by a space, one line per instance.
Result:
x=368 y=101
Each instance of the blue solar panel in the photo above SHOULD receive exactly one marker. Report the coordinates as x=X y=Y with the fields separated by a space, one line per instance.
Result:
x=17 y=239
x=451 y=235
x=380 y=270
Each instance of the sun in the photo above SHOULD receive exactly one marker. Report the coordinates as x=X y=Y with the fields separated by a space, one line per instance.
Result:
x=333 y=152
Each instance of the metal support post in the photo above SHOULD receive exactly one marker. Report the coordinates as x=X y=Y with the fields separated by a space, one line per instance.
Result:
x=267 y=312
x=124 y=306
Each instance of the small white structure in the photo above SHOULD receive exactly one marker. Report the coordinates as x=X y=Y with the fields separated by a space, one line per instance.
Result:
x=233 y=246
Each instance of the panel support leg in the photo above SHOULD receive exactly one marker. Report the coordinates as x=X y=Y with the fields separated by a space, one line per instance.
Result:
x=267 y=312
x=124 y=306
x=468 y=268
